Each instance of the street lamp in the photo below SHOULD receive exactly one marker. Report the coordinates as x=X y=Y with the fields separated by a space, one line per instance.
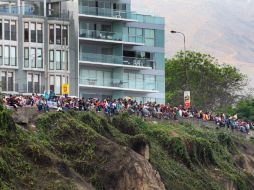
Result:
x=184 y=43
x=184 y=39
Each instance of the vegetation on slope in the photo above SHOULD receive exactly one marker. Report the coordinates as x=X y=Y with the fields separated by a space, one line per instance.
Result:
x=68 y=148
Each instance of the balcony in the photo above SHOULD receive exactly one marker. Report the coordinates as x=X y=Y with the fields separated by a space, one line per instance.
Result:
x=106 y=13
x=118 y=61
x=112 y=37
x=117 y=84
x=112 y=14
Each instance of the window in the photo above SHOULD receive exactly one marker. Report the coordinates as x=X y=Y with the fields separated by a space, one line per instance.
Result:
x=51 y=34
x=58 y=60
x=7 y=29
x=39 y=58
x=10 y=81
x=33 y=83
x=52 y=83
x=13 y=30
x=26 y=57
x=33 y=31
x=149 y=37
x=6 y=55
x=30 y=83
x=1 y=55
x=26 y=32
x=39 y=33
x=65 y=35
x=36 y=83
x=13 y=56
x=64 y=60
x=1 y=29
x=51 y=59
x=58 y=34
x=33 y=57
x=4 y=80
x=58 y=84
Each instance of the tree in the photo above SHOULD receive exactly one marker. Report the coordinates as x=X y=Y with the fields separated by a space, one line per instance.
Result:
x=245 y=109
x=212 y=86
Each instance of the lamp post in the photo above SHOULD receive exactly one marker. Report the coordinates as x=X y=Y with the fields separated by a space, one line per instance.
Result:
x=184 y=38
x=184 y=43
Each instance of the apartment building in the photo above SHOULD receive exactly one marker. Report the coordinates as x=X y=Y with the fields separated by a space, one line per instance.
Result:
x=100 y=47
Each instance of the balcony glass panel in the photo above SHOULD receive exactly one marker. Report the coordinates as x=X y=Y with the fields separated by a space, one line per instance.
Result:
x=112 y=59
x=118 y=83
x=105 y=12
x=103 y=35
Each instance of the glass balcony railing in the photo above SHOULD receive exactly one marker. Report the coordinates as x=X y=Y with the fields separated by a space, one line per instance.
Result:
x=95 y=34
x=106 y=12
x=112 y=36
x=113 y=59
x=117 y=83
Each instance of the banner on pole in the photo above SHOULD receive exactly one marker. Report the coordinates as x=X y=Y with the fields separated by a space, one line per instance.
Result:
x=187 y=100
x=65 y=89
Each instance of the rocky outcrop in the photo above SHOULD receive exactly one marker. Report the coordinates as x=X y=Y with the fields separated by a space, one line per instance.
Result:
x=126 y=169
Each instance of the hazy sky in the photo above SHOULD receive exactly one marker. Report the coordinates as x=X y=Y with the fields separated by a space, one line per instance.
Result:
x=222 y=28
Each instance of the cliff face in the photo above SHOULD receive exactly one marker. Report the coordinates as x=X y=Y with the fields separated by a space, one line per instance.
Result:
x=84 y=151
x=69 y=154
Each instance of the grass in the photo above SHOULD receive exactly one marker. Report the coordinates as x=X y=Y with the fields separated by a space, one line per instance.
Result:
x=75 y=145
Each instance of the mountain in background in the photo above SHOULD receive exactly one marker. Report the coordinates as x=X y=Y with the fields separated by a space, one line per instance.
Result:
x=224 y=29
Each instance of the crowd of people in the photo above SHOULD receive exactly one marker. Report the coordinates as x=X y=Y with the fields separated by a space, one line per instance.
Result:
x=115 y=106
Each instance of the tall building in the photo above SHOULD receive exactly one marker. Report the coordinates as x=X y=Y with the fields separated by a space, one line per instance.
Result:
x=100 y=47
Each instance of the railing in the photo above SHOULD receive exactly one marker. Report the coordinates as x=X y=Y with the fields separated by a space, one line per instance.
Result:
x=142 y=62
x=103 y=35
x=84 y=33
x=30 y=11
x=106 y=12
x=117 y=83
x=113 y=59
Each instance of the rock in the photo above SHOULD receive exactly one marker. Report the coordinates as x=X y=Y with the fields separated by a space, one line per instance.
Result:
x=127 y=170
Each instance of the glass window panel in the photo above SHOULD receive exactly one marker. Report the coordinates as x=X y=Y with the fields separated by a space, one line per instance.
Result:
x=4 y=80
x=39 y=33
x=51 y=34
x=63 y=62
x=26 y=57
x=13 y=56
x=58 y=60
x=7 y=29
x=132 y=31
x=30 y=83
x=58 y=85
x=1 y=29
x=10 y=81
x=39 y=58
x=58 y=34
x=13 y=30
x=33 y=31
x=149 y=33
x=6 y=55
x=65 y=35
x=1 y=55
x=26 y=32
x=52 y=83
x=33 y=57
x=51 y=59
x=36 y=83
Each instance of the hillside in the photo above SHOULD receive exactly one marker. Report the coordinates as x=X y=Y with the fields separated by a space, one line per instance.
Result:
x=85 y=151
